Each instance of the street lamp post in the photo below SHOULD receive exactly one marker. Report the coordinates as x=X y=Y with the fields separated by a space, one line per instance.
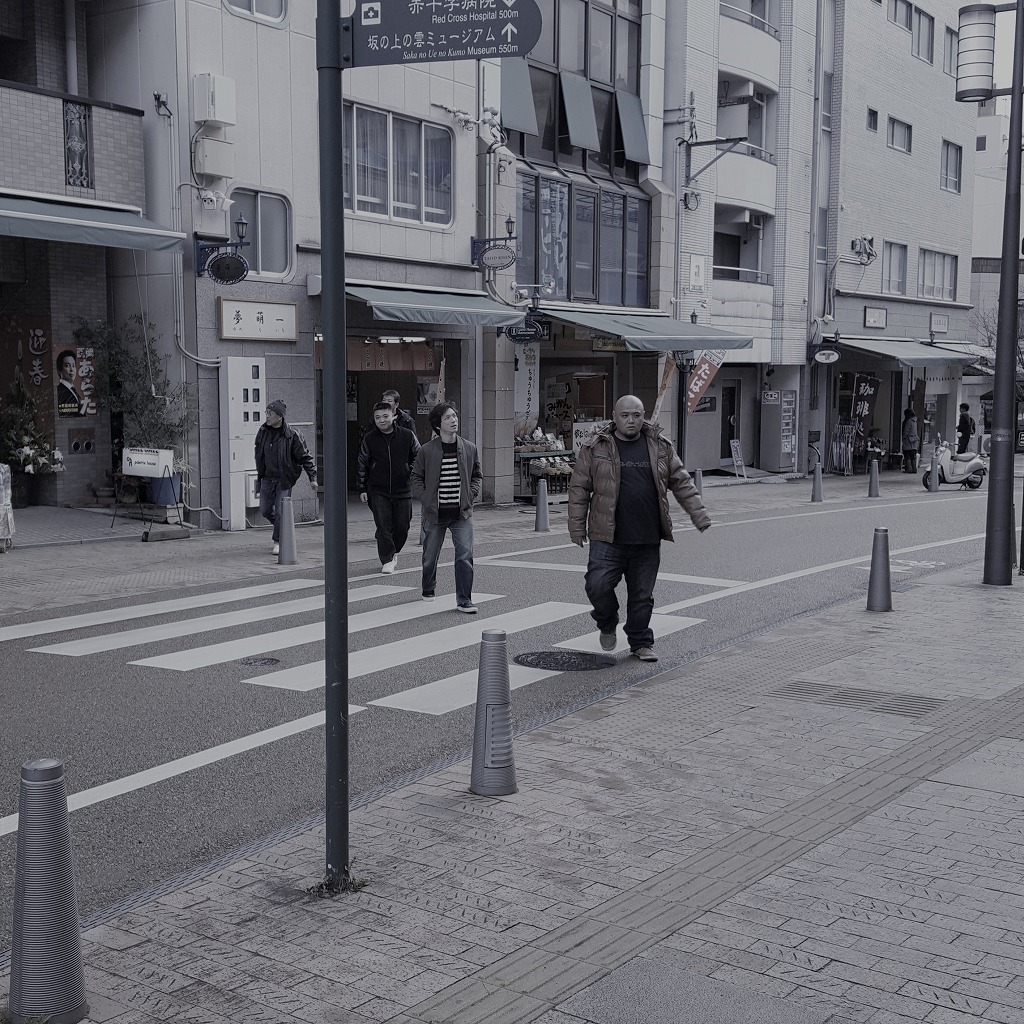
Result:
x=974 y=83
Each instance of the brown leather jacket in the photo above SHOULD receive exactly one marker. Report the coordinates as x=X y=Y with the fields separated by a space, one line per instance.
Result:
x=594 y=487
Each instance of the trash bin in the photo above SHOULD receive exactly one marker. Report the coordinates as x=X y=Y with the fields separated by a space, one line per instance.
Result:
x=6 y=510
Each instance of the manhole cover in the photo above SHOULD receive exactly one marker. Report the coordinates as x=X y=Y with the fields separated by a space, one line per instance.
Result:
x=564 y=661
x=257 y=661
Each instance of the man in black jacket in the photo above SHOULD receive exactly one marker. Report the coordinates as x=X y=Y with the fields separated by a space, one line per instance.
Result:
x=281 y=456
x=386 y=455
x=402 y=417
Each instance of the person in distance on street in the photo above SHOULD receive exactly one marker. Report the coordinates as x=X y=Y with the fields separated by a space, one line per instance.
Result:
x=618 y=498
x=446 y=478
x=910 y=440
x=281 y=457
x=386 y=457
x=964 y=428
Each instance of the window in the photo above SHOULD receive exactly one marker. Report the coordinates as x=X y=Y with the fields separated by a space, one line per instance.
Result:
x=936 y=275
x=899 y=135
x=271 y=10
x=949 y=53
x=872 y=120
x=826 y=101
x=821 y=236
x=952 y=161
x=900 y=13
x=981 y=144
x=269 y=251
x=594 y=243
x=397 y=167
x=894 y=268
x=923 y=44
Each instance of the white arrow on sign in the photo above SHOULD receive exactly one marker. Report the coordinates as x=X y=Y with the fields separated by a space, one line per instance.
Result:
x=510 y=3
x=509 y=31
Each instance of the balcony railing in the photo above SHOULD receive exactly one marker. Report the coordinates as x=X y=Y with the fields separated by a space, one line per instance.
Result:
x=738 y=14
x=749 y=149
x=720 y=273
x=77 y=159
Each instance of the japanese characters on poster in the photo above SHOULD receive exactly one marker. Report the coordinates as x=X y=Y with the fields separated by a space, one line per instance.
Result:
x=865 y=394
x=527 y=393
x=74 y=372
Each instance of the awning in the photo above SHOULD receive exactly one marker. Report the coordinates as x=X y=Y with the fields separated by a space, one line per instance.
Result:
x=465 y=308
x=907 y=351
x=653 y=332
x=84 y=225
x=578 y=105
x=631 y=125
x=517 y=110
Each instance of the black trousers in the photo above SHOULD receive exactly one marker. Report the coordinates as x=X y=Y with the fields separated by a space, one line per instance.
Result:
x=392 y=517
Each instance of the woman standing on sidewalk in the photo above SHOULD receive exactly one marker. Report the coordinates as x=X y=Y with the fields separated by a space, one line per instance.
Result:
x=910 y=442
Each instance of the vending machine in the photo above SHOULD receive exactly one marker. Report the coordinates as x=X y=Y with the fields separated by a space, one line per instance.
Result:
x=778 y=431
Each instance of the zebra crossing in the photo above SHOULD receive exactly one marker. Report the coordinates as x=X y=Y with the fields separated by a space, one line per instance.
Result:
x=434 y=697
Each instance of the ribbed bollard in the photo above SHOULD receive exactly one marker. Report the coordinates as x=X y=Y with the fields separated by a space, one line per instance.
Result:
x=286 y=527
x=933 y=473
x=879 y=590
x=541 y=524
x=816 y=484
x=873 y=479
x=494 y=766
x=47 y=973
x=698 y=481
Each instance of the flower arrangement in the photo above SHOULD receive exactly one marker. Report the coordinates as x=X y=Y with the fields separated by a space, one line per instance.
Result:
x=23 y=445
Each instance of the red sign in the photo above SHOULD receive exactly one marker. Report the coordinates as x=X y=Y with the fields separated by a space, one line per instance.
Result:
x=702 y=376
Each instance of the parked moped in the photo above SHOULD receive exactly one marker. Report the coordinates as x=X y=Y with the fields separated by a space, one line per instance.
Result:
x=967 y=470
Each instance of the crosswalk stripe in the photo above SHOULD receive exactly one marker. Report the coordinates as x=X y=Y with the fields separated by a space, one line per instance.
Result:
x=403 y=652
x=667 y=577
x=296 y=636
x=206 y=624
x=444 y=695
x=141 y=611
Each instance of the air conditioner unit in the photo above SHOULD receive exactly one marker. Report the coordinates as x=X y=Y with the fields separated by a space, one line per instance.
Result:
x=985 y=444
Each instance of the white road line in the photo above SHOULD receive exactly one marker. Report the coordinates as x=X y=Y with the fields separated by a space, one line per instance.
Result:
x=207 y=624
x=444 y=695
x=663 y=625
x=162 y=772
x=404 y=652
x=669 y=577
x=814 y=569
x=141 y=611
x=232 y=650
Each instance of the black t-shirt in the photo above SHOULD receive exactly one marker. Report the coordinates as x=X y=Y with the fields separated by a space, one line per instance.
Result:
x=637 y=512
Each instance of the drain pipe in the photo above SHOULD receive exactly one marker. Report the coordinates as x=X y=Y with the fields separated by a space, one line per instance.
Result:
x=71 y=46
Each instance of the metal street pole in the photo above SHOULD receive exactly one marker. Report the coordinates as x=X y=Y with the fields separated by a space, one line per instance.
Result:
x=999 y=528
x=332 y=269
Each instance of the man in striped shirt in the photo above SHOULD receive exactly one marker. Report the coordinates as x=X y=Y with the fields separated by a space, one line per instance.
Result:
x=447 y=480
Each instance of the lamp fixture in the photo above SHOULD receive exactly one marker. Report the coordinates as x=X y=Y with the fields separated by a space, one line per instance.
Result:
x=693 y=316
x=222 y=260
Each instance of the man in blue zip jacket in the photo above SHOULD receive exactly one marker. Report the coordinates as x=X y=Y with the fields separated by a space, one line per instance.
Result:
x=386 y=455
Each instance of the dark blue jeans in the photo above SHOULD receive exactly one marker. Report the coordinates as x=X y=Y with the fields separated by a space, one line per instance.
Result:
x=391 y=517
x=271 y=493
x=462 y=538
x=607 y=565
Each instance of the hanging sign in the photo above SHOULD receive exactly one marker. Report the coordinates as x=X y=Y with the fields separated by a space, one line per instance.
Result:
x=703 y=374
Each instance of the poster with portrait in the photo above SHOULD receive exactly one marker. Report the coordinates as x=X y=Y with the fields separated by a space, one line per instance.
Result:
x=74 y=373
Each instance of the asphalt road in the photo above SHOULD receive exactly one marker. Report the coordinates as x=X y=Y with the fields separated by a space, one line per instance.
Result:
x=770 y=556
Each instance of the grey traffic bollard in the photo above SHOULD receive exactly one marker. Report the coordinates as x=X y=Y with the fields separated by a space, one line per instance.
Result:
x=879 y=589
x=286 y=524
x=540 y=524
x=873 y=479
x=933 y=473
x=816 y=484
x=494 y=767
x=47 y=971
x=698 y=481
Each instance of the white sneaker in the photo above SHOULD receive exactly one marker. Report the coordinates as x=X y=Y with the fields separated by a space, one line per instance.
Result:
x=389 y=567
x=277 y=549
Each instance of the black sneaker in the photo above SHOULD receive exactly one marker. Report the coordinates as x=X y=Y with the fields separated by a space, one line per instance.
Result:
x=608 y=641
x=426 y=597
x=466 y=609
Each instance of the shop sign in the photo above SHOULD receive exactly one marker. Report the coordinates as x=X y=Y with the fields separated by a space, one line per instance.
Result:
x=528 y=330
x=496 y=257
x=703 y=374
x=826 y=355
x=147 y=461
x=770 y=397
x=245 y=320
x=604 y=343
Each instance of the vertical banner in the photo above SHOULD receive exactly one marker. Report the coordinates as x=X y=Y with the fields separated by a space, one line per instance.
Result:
x=527 y=394
x=703 y=374
x=865 y=394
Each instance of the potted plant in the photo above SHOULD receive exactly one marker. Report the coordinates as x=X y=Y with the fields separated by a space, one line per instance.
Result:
x=24 y=446
x=146 y=409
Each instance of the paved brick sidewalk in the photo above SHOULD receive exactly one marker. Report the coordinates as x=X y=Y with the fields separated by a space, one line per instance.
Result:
x=820 y=824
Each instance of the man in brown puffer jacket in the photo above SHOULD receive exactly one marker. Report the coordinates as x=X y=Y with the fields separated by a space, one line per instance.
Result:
x=628 y=457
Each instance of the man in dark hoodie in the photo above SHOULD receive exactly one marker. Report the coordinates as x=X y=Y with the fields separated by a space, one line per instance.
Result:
x=281 y=457
x=386 y=455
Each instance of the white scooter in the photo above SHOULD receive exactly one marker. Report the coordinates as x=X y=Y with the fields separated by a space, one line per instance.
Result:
x=967 y=470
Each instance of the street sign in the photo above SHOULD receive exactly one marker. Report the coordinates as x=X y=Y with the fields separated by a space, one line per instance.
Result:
x=406 y=31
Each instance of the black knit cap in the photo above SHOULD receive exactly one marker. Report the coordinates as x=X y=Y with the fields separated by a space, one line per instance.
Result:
x=277 y=406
